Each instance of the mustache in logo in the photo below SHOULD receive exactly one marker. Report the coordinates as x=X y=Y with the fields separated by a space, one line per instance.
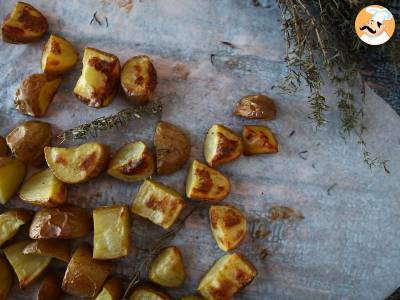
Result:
x=368 y=28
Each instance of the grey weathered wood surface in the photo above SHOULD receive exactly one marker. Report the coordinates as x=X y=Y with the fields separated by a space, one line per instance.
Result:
x=348 y=244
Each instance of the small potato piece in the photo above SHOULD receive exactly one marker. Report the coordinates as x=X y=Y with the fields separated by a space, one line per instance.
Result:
x=158 y=203
x=24 y=25
x=148 y=293
x=50 y=289
x=28 y=267
x=112 y=232
x=133 y=162
x=172 y=148
x=167 y=268
x=98 y=83
x=58 y=249
x=59 y=56
x=77 y=164
x=228 y=226
x=221 y=146
x=12 y=173
x=6 y=278
x=258 y=140
x=68 y=222
x=227 y=276
x=11 y=221
x=28 y=140
x=44 y=189
x=3 y=147
x=112 y=290
x=205 y=183
x=85 y=276
x=139 y=79
x=256 y=107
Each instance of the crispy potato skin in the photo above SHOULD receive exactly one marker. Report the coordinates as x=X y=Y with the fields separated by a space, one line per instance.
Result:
x=68 y=222
x=50 y=289
x=12 y=173
x=139 y=79
x=256 y=107
x=11 y=221
x=112 y=290
x=258 y=140
x=172 y=148
x=25 y=24
x=6 y=278
x=3 y=147
x=52 y=248
x=146 y=292
x=28 y=140
x=85 y=276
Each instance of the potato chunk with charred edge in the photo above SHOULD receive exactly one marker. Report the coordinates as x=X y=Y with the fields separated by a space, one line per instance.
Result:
x=221 y=146
x=3 y=147
x=25 y=24
x=98 y=83
x=59 y=56
x=112 y=232
x=149 y=293
x=228 y=226
x=112 y=290
x=227 y=276
x=6 y=278
x=139 y=79
x=256 y=107
x=12 y=173
x=50 y=289
x=11 y=221
x=258 y=140
x=158 y=203
x=206 y=183
x=68 y=222
x=77 y=164
x=28 y=267
x=85 y=276
x=133 y=162
x=58 y=249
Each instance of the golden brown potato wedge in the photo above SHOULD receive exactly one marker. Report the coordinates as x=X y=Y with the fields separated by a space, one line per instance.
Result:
x=139 y=79
x=6 y=278
x=112 y=290
x=256 y=107
x=172 y=148
x=50 y=289
x=228 y=226
x=227 y=276
x=12 y=173
x=258 y=140
x=158 y=203
x=191 y=298
x=44 y=189
x=99 y=79
x=28 y=267
x=133 y=162
x=167 y=268
x=28 y=140
x=11 y=221
x=3 y=147
x=112 y=232
x=58 y=249
x=68 y=222
x=221 y=146
x=85 y=276
x=145 y=292
x=77 y=164
x=25 y=24
x=59 y=56
x=206 y=183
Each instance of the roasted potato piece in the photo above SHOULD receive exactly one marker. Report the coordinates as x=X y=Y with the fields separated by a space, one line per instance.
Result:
x=205 y=183
x=27 y=266
x=99 y=79
x=12 y=173
x=172 y=148
x=28 y=140
x=58 y=249
x=167 y=268
x=228 y=226
x=222 y=145
x=6 y=278
x=144 y=292
x=3 y=147
x=68 y=222
x=25 y=24
x=112 y=232
x=85 y=276
x=227 y=276
x=50 y=289
x=256 y=107
x=133 y=162
x=112 y=290
x=77 y=164
x=59 y=56
x=44 y=189
x=158 y=203
x=191 y=298
x=139 y=79
x=258 y=140
x=11 y=221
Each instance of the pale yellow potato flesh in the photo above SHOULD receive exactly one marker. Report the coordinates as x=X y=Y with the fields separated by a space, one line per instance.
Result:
x=112 y=232
x=58 y=249
x=112 y=290
x=12 y=173
x=148 y=293
x=11 y=221
x=6 y=278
